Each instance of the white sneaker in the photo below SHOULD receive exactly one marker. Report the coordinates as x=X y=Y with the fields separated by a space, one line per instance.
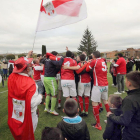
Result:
x=46 y=110
x=122 y=91
x=59 y=105
x=117 y=92
x=105 y=121
x=112 y=84
x=54 y=113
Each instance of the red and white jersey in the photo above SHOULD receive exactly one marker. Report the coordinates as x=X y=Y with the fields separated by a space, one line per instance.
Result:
x=84 y=78
x=99 y=72
x=37 y=72
x=68 y=74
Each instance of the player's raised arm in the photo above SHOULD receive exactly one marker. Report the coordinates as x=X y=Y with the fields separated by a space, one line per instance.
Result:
x=71 y=68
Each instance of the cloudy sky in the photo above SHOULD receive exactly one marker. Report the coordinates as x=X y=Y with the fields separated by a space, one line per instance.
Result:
x=115 y=25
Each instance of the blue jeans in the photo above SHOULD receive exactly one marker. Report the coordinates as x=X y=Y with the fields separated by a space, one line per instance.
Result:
x=40 y=87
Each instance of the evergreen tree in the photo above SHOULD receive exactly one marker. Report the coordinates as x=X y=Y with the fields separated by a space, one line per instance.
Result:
x=88 y=43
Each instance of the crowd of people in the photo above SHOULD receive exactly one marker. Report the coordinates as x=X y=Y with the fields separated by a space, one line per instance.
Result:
x=79 y=80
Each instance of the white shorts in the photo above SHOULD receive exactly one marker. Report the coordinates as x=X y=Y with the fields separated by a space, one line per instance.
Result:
x=68 y=88
x=98 y=93
x=84 y=89
x=59 y=85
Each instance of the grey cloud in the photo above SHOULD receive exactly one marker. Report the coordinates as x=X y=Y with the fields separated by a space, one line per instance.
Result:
x=114 y=24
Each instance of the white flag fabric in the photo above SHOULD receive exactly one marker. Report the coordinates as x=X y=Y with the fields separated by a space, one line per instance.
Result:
x=58 y=13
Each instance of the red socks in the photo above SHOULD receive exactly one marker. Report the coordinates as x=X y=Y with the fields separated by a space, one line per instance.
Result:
x=74 y=98
x=59 y=101
x=86 y=104
x=107 y=107
x=81 y=103
x=96 y=114
x=100 y=104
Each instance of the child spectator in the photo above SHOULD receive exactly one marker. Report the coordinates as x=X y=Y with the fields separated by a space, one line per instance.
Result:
x=130 y=117
x=1 y=73
x=112 y=71
x=50 y=133
x=113 y=130
x=73 y=126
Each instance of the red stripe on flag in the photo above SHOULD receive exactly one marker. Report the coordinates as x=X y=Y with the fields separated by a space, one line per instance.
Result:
x=56 y=3
x=42 y=7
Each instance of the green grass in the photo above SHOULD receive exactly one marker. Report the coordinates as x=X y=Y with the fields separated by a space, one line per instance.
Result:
x=46 y=119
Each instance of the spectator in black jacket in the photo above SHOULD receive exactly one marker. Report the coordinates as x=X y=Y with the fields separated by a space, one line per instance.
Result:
x=129 y=65
x=113 y=130
x=137 y=62
x=73 y=126
x=50 y=133
x=130 y=117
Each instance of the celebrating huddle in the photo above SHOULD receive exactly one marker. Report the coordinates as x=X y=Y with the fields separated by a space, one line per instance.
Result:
x=25 y=94
x=68 y=65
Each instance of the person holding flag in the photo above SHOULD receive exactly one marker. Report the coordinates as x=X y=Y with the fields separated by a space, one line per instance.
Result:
x=23 y=99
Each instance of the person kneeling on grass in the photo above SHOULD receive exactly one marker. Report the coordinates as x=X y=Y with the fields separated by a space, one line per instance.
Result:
x=73 y=126
x=50 y=133
x=113 y=130
x=130 y=117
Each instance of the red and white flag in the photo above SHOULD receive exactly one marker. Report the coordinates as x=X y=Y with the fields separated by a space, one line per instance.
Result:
x=58 y=13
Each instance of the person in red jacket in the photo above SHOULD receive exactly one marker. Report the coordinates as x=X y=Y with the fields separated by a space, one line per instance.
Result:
x=23 y=99
x=121 y=71
x=100 y=88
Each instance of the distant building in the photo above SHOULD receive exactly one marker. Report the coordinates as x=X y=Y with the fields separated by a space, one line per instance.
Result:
x=129 y=52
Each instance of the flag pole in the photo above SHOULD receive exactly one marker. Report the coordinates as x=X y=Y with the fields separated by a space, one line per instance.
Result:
x=34 y=41
x=37 y=26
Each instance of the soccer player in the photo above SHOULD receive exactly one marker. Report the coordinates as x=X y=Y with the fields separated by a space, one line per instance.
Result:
x=84 y=87
x=100 y=88
x=50 y=82
x=37 y=75
x=67 y=76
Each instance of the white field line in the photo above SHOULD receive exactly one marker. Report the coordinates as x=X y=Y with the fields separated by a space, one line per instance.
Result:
x=4 y=91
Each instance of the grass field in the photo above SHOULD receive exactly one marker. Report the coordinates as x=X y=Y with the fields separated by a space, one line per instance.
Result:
x=46 y=119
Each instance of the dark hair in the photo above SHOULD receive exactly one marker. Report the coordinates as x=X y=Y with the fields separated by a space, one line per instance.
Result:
x=50 y=133
x=115 y=60
x=71 y=107
x=129 y=59
x=90 y=57
x=120 y=54
x=68 y=54
x=134 y=78
x=82 y=57
x=96 y=54
x=54 y=53
x=73 y=55
x=38 y=55
x=11 y=67
x=116 y=100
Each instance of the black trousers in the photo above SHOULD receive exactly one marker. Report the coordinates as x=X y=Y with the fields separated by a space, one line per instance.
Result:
x=138 y=68
x=2 y=81
x=114 y=79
